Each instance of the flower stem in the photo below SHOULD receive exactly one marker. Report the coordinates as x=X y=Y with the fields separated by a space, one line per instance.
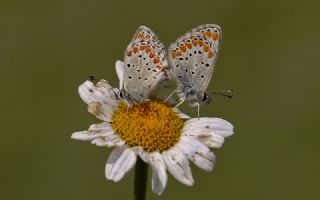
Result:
x=140 y=180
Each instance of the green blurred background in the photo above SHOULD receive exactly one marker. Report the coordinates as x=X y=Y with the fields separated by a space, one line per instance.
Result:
x=269 y=55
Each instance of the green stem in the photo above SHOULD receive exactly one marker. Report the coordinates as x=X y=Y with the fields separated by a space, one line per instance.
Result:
x=140 y=180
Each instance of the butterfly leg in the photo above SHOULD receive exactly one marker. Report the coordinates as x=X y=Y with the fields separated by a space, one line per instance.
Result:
x=180 y=103
x=128 y=107
x=154 y=114
x=174 y=91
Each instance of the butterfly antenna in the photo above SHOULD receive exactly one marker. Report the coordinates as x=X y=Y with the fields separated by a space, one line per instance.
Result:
x=225 y=93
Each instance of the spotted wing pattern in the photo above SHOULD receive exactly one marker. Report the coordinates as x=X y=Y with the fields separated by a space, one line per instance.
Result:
x=144 y=64
x=192 y=57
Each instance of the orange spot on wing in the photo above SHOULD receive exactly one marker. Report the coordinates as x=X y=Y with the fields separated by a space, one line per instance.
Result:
x=135 y=49
x=206 y=48
x=151 y=55
x=210 y=53
x=208 y=34
x=189 y=45
x=142 y=47
x=156 y=60
x=215 y=36
x=183 y=48
x=129 y=53
x=162 y=68
x=194 y=42
x=200 y=43
x=178 y=53
x=148 y=49
x=173 y=54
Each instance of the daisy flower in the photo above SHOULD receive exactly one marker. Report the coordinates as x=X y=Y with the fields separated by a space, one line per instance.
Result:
x=161 y=135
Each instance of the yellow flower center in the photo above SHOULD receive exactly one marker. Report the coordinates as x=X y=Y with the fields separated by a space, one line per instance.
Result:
x=152 y=125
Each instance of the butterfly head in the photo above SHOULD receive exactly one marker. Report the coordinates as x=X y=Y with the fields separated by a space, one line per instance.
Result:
x=195 y=97
x=205 y=98
x=123 y=95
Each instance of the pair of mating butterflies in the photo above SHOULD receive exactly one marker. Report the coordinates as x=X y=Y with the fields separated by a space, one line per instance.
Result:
x=189 y=61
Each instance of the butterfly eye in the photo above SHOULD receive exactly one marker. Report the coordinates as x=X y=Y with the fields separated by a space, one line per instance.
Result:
x=121 y=94
x=206 y=98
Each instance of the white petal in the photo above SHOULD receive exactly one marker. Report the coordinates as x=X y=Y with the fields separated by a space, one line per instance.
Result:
x=120 y=72
x=101 y=99
x=181 y=114
x=109 y=141
x=178 y=166
x=143 y=154
x=205 y=161
x=159 y=174
x=197 y=152
x=106 y=88
x=94 y=131
x=221 y=126
x=215 y=141
x=120 y=161
x=210 y=131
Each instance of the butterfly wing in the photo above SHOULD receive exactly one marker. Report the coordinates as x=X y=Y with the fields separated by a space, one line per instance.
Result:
x=192 y=57
x=144 y=64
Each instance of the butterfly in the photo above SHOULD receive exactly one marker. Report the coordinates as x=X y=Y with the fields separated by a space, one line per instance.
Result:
x=144 y=66
x=192 y=58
